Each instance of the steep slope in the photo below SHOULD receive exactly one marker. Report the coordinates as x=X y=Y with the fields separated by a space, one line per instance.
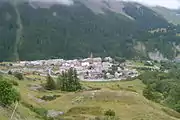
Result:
x=74 y=29
x=8 y=29
x=22 y=113
x=128 y=104
x=171 y=15
x=145 y=17
x=18 y=32
x=48 y=30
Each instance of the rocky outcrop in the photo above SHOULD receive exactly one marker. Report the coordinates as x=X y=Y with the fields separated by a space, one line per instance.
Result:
x=54 y=113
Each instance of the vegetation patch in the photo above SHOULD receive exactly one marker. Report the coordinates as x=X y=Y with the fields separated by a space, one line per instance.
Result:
x=8 y=94
x=107 y=118
x=109 y=113
x=85 y=110
x=18 y=75
x=42 y=112
x=50 y=97
x=13 y=82
x=68 y=82
x=163 y=87
x=118 y=87
x=90 y=88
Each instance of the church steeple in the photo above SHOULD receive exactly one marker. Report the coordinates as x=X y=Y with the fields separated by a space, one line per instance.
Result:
x=91 y=58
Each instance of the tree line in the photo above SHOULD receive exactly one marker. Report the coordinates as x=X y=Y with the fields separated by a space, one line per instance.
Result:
x=67 y=81
x=163 y=87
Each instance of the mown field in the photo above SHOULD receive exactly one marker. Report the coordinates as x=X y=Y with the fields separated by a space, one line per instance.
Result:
x=123 y=97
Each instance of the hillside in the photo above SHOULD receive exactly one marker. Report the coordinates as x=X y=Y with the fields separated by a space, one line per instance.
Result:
x=126 y=101
x=38 y=30
x=171 y=15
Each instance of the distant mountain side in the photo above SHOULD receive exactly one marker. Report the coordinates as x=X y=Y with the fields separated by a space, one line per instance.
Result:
x=172 y=16
x=145 y=17
x=38 y=30
x=8 y=29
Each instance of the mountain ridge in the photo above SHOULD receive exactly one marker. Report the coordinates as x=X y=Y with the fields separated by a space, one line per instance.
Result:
x=76 y=31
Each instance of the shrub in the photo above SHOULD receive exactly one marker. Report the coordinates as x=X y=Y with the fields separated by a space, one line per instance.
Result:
x=1 y=76
x=91 y=110
x=158 y=97
x=18 y=75
x=10 y=72
x=15 y=83
x=40 y=111
x=147 y=92
x=111 y=118
x=8 y=94
x=177 y=107
x=109 y=113
x=50 y=83
x=50 y=98
x=107 y=118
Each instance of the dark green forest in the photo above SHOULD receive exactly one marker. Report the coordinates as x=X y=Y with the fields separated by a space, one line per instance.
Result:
x=75 y=31
x=163 y=87
x=8 y=29
x=145 y=18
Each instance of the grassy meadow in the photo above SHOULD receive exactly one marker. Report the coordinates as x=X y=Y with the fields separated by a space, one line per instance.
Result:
x=123 y=97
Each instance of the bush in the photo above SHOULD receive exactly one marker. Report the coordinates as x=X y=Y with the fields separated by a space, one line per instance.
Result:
x=120 y=60
x=177 y=107
x=8 y=94
x=40 y=111
x=147 y=92
x=19 y=76
x=107 y=118
x=158 y=97
x=50 y=98
x=10 y=73
x=50 y=83
x=15 y=83
x=109 y=113
x=111 y=118
x=91 y=110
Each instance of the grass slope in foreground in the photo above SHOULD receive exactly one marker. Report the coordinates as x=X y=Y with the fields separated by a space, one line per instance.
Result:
x=125 y=98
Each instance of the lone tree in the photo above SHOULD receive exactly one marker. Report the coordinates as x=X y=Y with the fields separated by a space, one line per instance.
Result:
x=69 y=81
x=19 y=76
x=8 y=94
x=50 y=83
x=109 y=113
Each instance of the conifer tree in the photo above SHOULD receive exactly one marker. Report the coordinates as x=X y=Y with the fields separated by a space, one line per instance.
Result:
x=69 y=81
x=50 y=83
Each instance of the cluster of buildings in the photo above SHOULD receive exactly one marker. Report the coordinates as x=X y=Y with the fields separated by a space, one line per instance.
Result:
x=87 y=69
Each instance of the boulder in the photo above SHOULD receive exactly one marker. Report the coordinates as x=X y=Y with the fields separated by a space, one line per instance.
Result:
x=54 y=113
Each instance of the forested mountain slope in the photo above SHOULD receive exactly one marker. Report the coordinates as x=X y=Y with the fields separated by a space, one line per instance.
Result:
x=8 y=29
x=38 y=30
x=172 y=16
